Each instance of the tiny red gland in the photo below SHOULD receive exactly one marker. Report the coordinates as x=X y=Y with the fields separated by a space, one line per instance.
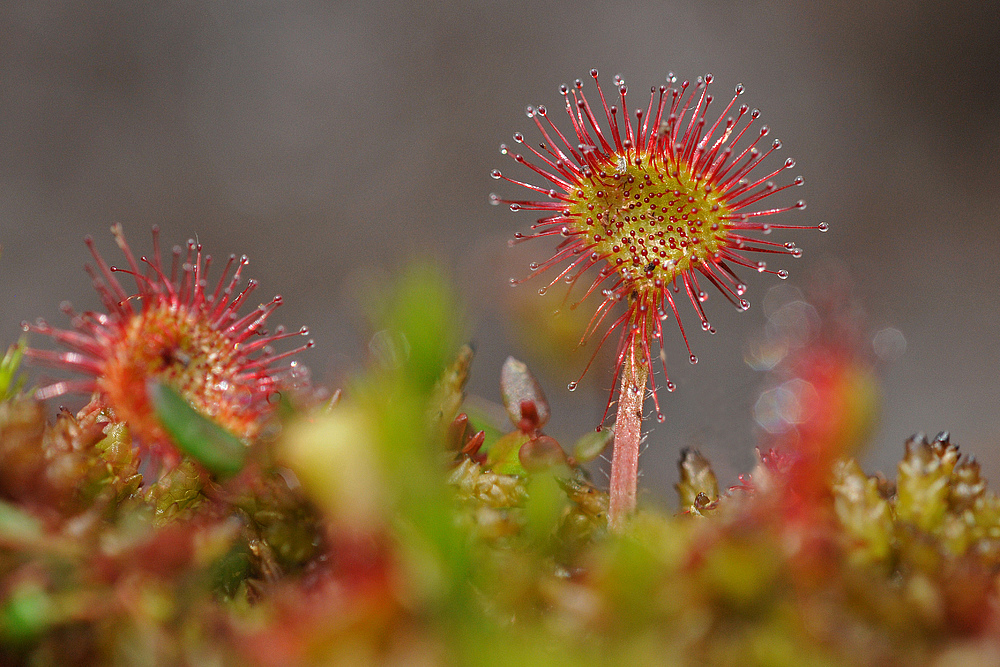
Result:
x=176 y=330
x=655 y=205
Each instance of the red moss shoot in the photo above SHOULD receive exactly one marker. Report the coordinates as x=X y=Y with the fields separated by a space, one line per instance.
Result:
x=174 y=330
x=659 y=205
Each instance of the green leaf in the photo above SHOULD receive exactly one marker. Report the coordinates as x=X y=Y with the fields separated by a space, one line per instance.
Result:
x=591 y=445
x=10 y=382
x=218 y=450
x=503 y=456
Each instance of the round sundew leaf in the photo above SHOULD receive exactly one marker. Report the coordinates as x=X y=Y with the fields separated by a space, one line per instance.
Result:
x=218 y=450
x=541 y=453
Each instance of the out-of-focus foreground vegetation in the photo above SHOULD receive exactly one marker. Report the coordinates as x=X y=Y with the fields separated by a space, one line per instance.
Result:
x=396 y=525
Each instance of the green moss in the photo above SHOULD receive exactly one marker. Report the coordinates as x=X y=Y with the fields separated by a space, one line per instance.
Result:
x=379 y=529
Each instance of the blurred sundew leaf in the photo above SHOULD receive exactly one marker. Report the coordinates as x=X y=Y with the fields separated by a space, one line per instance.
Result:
x=218 y=450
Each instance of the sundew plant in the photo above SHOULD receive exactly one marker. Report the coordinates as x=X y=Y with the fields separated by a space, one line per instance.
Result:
x=658 y=208
x=211 y=504
x=177 y=328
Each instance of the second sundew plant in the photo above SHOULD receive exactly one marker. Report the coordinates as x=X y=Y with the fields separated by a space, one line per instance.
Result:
x=659 y=207
x=176 y=330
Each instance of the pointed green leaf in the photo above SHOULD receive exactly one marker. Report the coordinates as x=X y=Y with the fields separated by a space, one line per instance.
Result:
x=221 y=452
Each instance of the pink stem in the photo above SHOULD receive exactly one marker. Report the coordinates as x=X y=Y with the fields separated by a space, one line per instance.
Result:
x=628 y=434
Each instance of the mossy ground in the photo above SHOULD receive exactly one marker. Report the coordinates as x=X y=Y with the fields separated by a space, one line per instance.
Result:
x=388 y=528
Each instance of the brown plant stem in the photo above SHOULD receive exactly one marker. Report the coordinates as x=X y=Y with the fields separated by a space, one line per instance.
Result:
x=628 y=434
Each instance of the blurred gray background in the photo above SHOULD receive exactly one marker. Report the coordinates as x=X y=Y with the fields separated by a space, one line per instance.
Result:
x=332 y=142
